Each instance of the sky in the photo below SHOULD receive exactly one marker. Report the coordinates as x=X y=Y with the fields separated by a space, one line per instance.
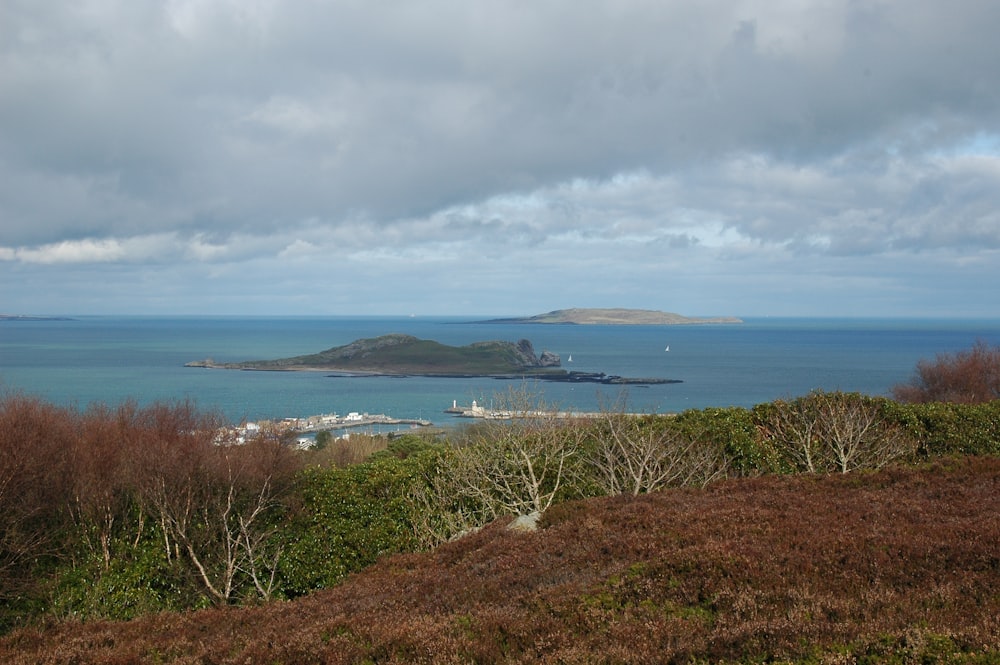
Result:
x=452 y=157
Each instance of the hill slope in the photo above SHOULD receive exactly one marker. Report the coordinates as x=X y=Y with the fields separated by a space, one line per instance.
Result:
x=900 y=563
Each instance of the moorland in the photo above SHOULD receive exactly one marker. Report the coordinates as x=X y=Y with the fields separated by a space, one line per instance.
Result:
x=896 y=566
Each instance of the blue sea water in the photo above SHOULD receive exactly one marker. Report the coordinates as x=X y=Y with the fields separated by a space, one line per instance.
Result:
x=109 y=359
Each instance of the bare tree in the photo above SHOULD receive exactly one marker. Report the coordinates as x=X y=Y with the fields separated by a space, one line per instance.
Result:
x=103 y=494
x=518 y=459
x=212 y=497
x=836 y=431
x=965 y=377
x=633 y=457
x=794 y=427
x=267 y=466
x=172 y=444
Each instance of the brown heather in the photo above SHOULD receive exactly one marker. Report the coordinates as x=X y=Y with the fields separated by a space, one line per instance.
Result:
x=900 y=565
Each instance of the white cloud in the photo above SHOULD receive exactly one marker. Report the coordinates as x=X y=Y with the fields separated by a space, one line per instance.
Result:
x=75 y=251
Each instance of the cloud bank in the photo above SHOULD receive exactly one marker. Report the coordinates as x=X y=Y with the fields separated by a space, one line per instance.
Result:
x=444 y=157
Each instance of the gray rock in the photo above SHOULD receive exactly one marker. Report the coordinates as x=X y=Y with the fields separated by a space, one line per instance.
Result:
x=527 y=522
x=549 y=359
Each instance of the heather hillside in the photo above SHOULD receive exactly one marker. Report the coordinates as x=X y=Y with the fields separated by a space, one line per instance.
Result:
x=898 y=565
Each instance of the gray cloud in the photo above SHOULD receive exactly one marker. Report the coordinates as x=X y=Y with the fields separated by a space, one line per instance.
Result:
x=603 y=147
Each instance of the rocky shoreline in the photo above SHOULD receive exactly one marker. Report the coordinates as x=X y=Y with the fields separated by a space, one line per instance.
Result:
x=559 y=376
x=597 y=377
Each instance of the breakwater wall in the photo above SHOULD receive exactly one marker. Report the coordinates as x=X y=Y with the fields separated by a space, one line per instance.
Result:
x=352 y=420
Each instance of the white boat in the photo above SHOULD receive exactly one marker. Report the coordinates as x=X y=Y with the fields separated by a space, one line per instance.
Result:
x=570 y=359
x=668 y=348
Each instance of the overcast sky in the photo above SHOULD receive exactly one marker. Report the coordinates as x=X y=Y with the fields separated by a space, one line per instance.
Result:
x=509 y=157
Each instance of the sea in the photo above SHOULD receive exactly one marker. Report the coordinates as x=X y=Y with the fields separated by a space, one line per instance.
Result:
x=83 y=360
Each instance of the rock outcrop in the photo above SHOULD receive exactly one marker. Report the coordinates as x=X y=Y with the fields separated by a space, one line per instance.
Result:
x=527 y=358
x=549 y=359
x=527 y=522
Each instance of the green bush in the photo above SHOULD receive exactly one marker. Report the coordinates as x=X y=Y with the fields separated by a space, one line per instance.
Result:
x=406 y=445
x=141 y=582
x=946 y=428
x=346 y=519
x=736 y=429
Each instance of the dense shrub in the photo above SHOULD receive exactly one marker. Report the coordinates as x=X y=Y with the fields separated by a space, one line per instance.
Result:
x=118 y=511
x=736 y=429
x=408 y=444
x=346 y=518
x=138 y=580
x=955 y=429
x=354 y=448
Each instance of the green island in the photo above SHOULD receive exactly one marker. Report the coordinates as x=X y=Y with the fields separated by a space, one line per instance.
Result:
x=406 y=355
x=616 y=316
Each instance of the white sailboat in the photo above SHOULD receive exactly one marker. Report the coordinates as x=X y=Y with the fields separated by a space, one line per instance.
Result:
x=570 y=359
x=668 y=348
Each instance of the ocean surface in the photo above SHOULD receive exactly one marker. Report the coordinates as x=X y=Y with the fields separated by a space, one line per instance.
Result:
x=110 y=359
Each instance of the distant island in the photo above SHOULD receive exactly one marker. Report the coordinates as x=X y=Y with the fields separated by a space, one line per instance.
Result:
x=406 y=355
x=615 y=316
x=26 y=317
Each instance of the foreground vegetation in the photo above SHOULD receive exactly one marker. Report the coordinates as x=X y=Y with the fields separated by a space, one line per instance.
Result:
x=896 y=566
x=828 y=524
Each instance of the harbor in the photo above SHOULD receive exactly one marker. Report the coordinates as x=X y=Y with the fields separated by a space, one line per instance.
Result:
x=352 y=420
x=331 y=422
